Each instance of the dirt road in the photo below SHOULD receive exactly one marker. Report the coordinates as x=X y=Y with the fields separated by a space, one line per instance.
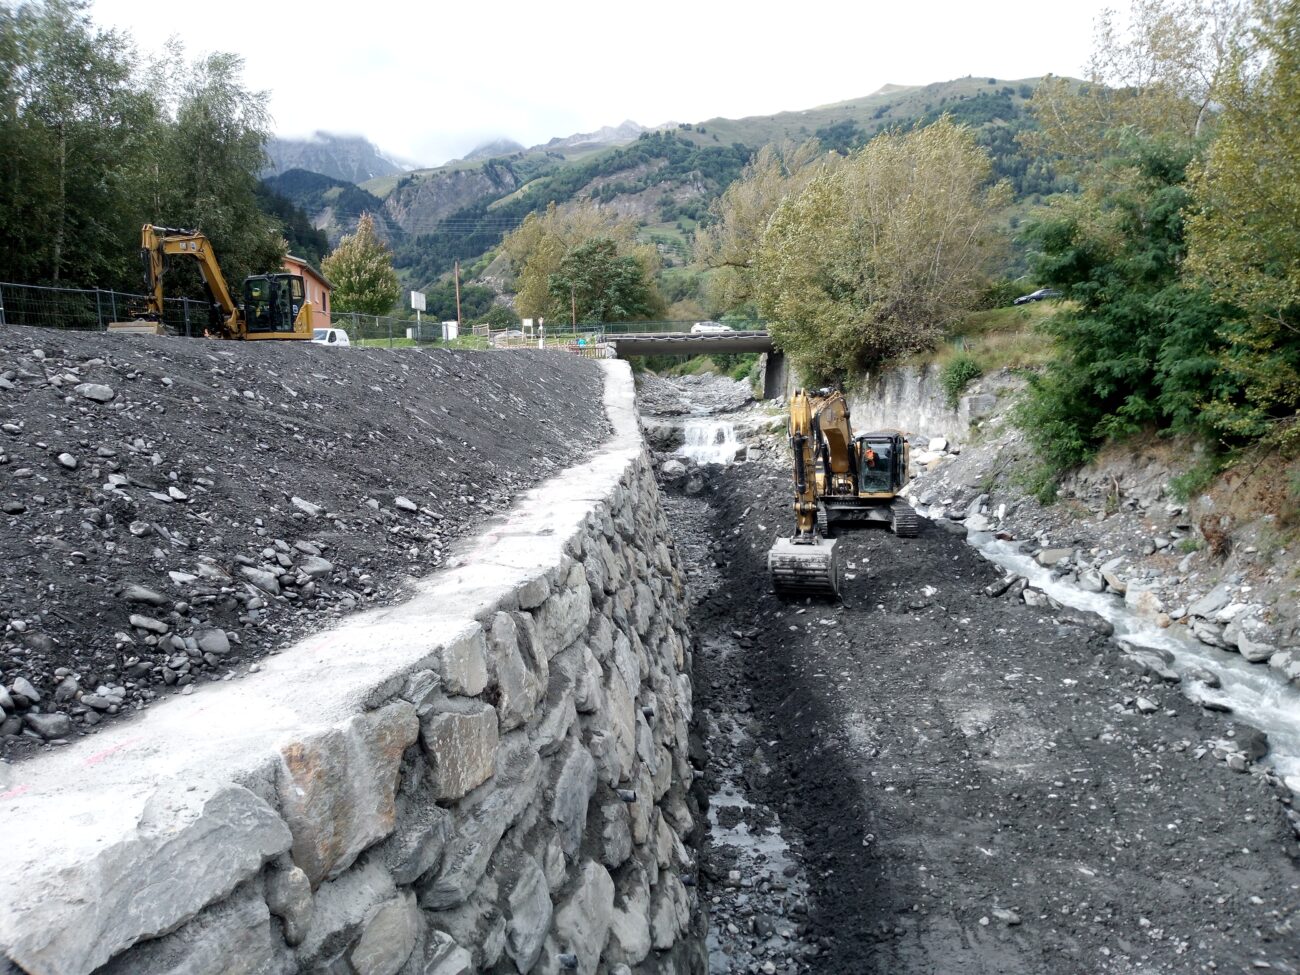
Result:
x=966 y=784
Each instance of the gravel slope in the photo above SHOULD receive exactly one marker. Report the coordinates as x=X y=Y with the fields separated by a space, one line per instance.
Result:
x=967 y=783
x=172 y=509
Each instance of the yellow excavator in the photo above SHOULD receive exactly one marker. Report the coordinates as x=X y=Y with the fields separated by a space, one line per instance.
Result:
x=274 y=306
x=853 y=480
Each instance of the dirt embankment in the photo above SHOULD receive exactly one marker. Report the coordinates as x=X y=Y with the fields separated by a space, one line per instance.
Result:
x=170 y=510
x=971 y=784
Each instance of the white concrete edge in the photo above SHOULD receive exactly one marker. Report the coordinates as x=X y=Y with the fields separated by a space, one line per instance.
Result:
x=61 y=807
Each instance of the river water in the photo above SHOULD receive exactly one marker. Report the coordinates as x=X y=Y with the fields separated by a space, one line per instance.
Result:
x=1255 y=692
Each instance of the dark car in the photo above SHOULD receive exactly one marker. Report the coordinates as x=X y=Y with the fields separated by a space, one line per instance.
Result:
x=1038 y=295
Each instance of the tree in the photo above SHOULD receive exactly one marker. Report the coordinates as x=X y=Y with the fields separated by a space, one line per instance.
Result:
x=1158 y=76
x=204 y=166
x=729 y=244
x=1136 y=349
x=876 y=257
x=601 y=286
x=361 y=271
x=1245 y=235
x=538 y=247
x=72 y=137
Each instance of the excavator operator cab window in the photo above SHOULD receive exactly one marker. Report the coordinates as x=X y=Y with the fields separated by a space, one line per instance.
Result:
x=876 y=472
x=257 y=304
x=272 y=302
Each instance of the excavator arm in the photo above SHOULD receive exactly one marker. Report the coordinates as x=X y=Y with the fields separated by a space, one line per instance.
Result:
x=158 y=243
x=821 y=441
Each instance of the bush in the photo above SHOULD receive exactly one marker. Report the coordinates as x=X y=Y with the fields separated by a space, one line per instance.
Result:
x=957 y=375
x=1000 y=294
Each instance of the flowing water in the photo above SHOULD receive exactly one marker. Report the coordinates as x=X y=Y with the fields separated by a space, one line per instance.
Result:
x=710 y=442
x=1255 y=692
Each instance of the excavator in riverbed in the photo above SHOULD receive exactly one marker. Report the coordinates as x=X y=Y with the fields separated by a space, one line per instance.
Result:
x=274 y=306
x=855 y=481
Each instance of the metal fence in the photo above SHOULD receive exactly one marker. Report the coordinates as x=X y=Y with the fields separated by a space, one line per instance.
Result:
x=95 y=309
x=92 y=310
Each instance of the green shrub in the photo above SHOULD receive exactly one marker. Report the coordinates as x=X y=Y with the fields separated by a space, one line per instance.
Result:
x=959 y=373
x=1000 y=294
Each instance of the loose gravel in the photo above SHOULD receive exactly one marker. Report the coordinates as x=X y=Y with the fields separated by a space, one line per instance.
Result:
x=171 y=510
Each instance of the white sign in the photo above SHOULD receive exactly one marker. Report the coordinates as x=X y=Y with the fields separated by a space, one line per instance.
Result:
x=417 y=301
x=450 y=330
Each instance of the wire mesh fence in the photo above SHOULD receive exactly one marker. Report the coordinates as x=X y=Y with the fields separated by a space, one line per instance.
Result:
x=93 y=310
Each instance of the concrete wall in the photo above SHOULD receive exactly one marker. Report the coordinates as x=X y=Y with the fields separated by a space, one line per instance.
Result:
x=490 y=777
x=912 y=399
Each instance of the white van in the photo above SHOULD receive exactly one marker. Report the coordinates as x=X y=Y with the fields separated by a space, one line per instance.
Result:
x=329 y=336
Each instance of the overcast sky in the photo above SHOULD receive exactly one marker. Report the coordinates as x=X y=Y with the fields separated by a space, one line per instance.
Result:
x=429 y=82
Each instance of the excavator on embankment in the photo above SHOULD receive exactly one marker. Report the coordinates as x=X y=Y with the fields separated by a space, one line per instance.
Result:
x=854 y=480
x=274 y=306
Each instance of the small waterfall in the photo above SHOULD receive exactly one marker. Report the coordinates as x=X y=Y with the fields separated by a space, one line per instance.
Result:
x=710 y=442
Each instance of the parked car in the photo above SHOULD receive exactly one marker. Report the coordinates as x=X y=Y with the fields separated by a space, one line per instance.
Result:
x=329 y=336
x=1038 y=295
x=710 y=328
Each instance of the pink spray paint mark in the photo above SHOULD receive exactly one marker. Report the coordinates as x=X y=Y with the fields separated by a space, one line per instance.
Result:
x=15 y=793
x=98 y=757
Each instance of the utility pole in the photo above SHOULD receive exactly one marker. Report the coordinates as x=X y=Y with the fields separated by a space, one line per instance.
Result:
x=458 y=293
x=573 y=305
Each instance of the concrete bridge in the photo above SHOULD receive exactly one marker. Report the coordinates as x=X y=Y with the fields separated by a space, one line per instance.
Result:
x=688 y=344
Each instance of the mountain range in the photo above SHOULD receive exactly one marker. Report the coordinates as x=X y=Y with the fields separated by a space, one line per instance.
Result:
x=663 y=178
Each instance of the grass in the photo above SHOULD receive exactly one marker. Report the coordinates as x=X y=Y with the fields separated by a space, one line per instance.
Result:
x=1000 y=338
x=463 y=342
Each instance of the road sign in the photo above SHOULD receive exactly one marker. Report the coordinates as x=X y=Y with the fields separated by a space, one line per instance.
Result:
x=417 y=301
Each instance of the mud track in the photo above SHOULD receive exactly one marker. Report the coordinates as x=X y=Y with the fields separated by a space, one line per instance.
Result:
x=966 y=781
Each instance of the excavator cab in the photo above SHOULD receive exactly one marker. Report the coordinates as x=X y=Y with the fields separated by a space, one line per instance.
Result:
x=272 y=302
x=881 y=468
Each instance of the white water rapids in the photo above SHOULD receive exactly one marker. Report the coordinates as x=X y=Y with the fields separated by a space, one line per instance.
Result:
x=1254 y=691
x=710 y=442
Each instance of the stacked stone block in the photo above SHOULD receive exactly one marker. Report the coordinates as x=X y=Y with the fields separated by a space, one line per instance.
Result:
x=519 y=805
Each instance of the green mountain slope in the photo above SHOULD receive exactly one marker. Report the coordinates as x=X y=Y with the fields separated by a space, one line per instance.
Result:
x=663 y=180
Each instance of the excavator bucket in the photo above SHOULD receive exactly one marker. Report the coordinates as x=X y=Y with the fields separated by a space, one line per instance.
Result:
x=806 y=568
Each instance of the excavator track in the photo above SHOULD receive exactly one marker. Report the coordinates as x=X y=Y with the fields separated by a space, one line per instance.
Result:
x=807 y=568
x=904 y=523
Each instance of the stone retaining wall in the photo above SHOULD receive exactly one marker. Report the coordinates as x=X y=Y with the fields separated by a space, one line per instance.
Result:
x=491 y=777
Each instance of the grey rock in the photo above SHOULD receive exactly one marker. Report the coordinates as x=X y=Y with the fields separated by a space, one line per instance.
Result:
x=307 y=508
x=343 y=907
x=442 y=956
x=142 y=594
x=288 y=894
x=406 y=504
x=574 y=787
x=67 y=461
x=1116 y=582
x=195 y=842
x=97 y=392
x=417 y=845
x=615 y=834
x=23 y=687
x=66 y=691
x=232 y=937
x=629 y=930
x=316 y=567
x=563 y=618
x=13 y=507
x=459 y=738
x=1210 y=603
x=1147 y=706
x=268 y=582
x=49 y=726
x=1090 y=580
x=482 y=826
x=518 y=687
x=6 y=702
x=148 y=623
x=1052 y=556
x=673 y=469
x=978 y=523
x=582 y=921
x=213 y=641
x=670 y=910
x=528 y=916
x=464 y=664
x=1208 y=632
x=389 y=937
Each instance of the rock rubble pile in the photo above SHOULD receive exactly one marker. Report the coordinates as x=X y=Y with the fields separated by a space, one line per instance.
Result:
x=173 y=509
